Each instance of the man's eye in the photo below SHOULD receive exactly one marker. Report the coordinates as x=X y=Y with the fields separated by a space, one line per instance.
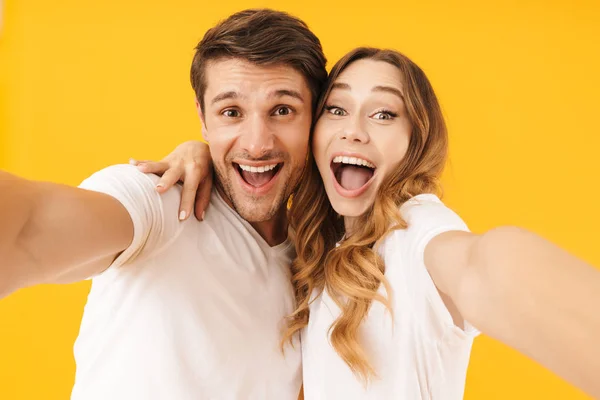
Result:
x=231 y=113
x=283 y=111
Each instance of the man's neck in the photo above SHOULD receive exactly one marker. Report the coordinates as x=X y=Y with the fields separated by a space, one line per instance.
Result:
x=274 y=231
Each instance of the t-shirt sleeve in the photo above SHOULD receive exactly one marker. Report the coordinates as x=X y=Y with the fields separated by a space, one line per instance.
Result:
x=154 y=216
x=427 y=217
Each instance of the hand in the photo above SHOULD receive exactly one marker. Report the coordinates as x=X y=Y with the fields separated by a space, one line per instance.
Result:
x=191 y=164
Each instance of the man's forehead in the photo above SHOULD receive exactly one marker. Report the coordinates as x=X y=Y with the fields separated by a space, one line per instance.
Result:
x=247 y=79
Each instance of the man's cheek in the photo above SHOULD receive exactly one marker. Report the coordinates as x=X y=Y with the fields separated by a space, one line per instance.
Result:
x=301 y=145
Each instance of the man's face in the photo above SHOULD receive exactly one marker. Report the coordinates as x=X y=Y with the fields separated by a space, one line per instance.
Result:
x=257 y=121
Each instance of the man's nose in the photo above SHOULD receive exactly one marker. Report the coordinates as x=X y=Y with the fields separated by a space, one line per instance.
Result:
x=257 y=138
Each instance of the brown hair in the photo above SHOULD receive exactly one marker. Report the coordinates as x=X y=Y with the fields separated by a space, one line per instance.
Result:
x=262 y=37
x=353 y=272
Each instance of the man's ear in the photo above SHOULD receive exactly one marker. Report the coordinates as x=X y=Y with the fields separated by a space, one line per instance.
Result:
x=205 y=133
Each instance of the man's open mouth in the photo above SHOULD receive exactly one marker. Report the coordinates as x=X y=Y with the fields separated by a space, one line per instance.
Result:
x=352 y=173
x=258 y=175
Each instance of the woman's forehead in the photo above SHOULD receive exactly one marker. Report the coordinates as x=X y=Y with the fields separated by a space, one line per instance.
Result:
x=367 y=74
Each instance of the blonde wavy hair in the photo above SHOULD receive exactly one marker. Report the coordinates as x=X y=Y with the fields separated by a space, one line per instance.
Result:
x=353 y=272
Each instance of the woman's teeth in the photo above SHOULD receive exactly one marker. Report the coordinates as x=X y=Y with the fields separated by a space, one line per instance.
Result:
x=353 y=161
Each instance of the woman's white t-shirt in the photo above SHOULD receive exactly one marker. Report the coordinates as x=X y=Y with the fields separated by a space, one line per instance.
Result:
x=420 y=353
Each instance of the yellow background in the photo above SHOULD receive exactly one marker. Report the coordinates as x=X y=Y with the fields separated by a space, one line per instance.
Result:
x=84 y=84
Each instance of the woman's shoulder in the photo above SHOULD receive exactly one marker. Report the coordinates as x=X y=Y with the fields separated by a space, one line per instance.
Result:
x=426 y=209
x=426 y=200
x=425 y=215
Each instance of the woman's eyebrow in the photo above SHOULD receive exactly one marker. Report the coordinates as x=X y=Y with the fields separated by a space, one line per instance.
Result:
x=389 y=89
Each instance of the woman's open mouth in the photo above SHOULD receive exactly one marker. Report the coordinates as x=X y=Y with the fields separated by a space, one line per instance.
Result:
x=352 y=175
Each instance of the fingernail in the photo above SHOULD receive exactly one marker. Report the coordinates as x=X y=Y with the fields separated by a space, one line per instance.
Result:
x=202 y=216
x=160 y=185
x=133 y=161
x=182 y=215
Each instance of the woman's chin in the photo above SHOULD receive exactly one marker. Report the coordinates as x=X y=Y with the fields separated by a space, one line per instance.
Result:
x=349 y=208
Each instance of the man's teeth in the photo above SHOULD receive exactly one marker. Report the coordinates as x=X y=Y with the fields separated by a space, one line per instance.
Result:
x=262 y=168
x=353 y=161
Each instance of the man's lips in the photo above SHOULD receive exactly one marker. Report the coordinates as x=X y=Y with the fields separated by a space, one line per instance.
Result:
x=258 y=177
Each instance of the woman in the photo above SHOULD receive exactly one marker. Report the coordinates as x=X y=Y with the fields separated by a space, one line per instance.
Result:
x=389 y=280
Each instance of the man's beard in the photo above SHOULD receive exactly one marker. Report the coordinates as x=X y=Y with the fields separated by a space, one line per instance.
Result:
x=249 y=207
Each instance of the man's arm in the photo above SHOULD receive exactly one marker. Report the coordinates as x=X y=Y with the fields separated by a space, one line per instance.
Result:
x=524 y=291
x=52 y=233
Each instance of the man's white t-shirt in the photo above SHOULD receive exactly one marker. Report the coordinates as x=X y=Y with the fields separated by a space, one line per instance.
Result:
x=191 y=310
x=420 y=353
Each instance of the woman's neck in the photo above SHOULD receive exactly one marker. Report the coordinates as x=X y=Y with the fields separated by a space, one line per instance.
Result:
x=350 y=225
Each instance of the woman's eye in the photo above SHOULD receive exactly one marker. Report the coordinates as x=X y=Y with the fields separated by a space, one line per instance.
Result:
x=337 y=111
x=231 y=113
x=384 y=115
x=283 y=111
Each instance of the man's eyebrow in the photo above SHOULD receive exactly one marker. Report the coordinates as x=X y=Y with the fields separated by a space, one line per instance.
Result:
x=388 y=89
x=287 y=92
x=224 y=96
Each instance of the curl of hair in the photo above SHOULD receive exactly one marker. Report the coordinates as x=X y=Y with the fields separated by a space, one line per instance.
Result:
x=353 y=272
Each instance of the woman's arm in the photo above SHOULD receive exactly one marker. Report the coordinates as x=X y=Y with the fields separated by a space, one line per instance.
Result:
x=526 y=292
x=190 y=163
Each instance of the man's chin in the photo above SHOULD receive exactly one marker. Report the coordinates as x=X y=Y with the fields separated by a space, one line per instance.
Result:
x=255 y=208
x=257 y=213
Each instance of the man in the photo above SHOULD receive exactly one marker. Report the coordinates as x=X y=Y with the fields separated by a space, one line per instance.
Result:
x=186 y=310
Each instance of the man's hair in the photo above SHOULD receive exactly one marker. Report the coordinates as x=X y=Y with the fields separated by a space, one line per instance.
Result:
x=262 y=37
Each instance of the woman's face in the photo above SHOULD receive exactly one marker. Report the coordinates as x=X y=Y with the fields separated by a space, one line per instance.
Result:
x=362 y=135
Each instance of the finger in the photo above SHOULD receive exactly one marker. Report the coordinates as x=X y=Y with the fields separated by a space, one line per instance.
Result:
x=203 y=197
x=152 y=167
x=169 y=179
x=133 y=161
x=188 y=194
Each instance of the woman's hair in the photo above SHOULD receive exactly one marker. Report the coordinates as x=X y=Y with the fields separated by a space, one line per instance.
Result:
x=353 y=272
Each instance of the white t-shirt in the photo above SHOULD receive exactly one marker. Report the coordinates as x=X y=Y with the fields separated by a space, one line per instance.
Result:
x=421 y=354
x=190 y=311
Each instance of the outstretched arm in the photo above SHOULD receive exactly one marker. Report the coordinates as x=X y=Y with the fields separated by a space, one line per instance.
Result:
x=53 y=233
x=526 y=292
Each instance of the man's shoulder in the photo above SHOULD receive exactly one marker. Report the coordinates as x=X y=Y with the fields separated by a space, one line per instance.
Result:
x=118 y=174
x=136 y=191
